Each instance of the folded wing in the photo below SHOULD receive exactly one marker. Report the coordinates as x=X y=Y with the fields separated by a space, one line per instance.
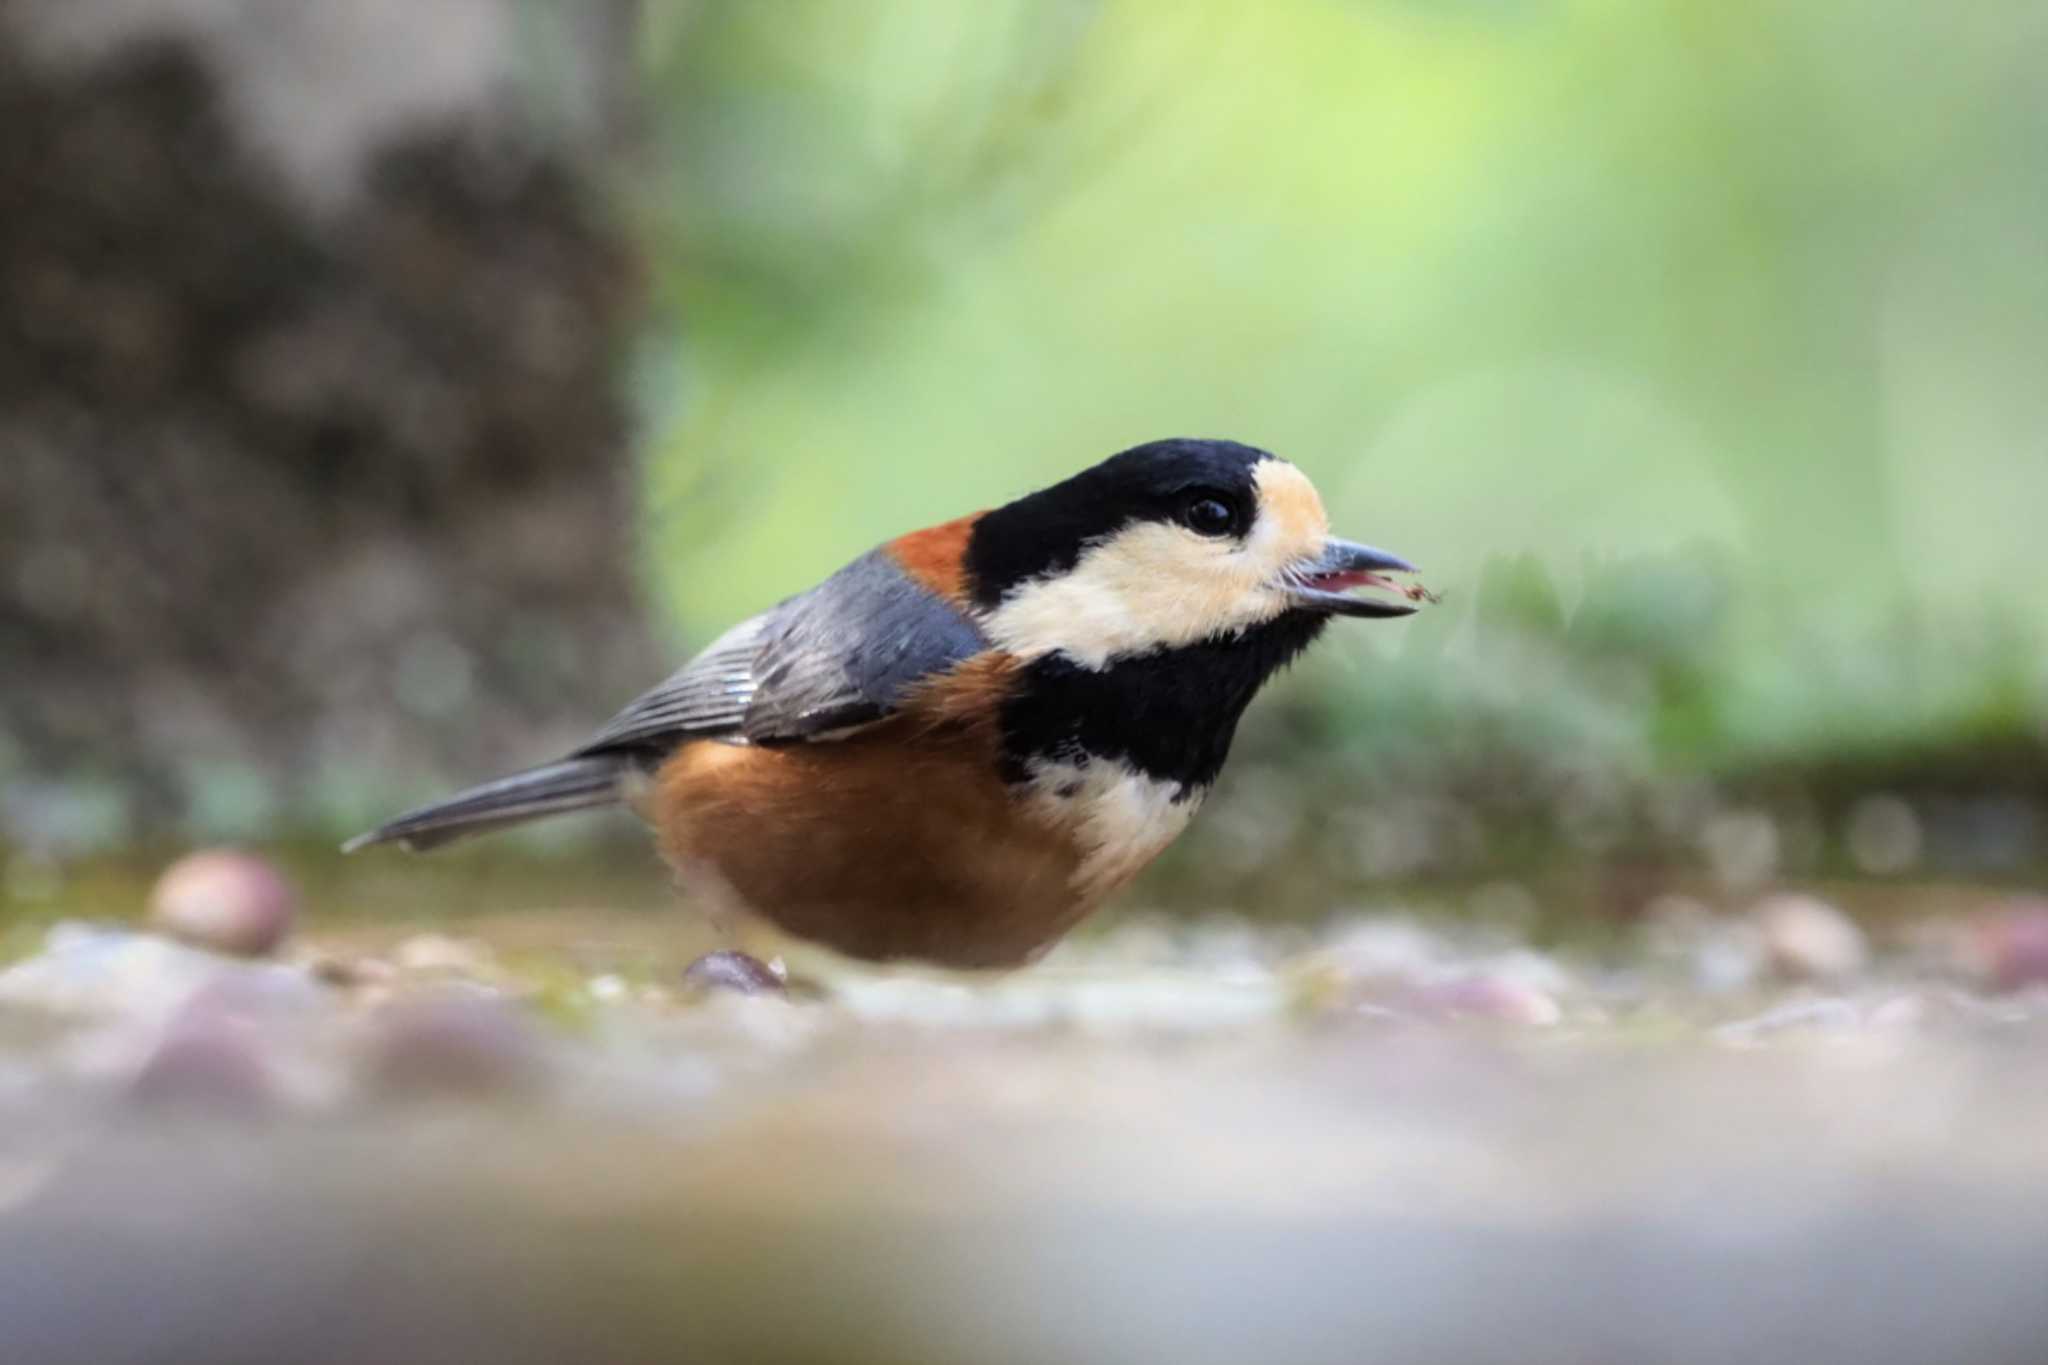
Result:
x=817 y=667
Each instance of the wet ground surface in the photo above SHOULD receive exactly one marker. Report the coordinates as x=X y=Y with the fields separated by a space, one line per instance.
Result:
x=1763 y=1136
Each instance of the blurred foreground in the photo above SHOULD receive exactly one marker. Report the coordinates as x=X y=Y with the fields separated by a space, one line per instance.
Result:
x=1721 y=1140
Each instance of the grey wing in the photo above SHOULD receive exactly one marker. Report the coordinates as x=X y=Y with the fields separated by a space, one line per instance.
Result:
x=705 y=698
x=825 y=662
x=842 y=655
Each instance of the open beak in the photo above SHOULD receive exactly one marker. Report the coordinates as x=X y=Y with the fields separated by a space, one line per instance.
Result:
x=1325 y=583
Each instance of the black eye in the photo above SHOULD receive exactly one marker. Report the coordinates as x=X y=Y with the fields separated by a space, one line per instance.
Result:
x=1209 y=516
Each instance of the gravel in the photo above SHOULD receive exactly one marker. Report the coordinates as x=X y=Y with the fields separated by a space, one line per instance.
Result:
x=1384 y=1140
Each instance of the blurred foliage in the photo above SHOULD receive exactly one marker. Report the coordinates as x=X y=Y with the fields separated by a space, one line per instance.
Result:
x=1692 y=350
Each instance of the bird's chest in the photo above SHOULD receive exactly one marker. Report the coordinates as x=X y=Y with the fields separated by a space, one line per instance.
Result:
x=1118 y=758
x=1117 y=817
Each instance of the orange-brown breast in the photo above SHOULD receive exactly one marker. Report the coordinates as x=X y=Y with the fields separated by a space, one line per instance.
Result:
x=937 y=556
x=901 y=841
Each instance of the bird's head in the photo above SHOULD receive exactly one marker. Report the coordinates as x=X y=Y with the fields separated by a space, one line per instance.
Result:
x=1167 y=545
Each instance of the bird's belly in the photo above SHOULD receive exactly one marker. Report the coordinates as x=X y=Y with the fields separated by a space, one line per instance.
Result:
x=876 y=847
x=1118 y=818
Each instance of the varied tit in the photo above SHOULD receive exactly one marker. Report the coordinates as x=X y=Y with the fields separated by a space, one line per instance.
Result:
x=967 y=739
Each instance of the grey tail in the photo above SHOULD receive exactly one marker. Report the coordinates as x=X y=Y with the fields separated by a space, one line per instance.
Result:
x=573 y=784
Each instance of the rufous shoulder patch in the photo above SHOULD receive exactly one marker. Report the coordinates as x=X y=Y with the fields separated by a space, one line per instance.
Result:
x=936 y=557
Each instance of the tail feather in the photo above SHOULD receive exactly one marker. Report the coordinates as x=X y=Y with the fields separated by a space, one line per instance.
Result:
x=573 y=784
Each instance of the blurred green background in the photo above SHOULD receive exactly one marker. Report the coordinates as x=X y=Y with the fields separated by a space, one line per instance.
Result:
x=1694 y=352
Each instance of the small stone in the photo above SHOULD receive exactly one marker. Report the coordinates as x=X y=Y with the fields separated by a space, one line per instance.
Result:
x=441 y=953
x=352 y=973
x=1490 y=996
x=1908 y=1012
x=1381 y=950
x=1929 y=1009
x=2009 y=946
x=1721 y=954
x=226 y=901
x=729 y=970
x=257 y=998
x=1826 y=1015
x=91 y=972
x=1806 y=939
x=1139 y=941
x=454 y=1047
x=205 y=1066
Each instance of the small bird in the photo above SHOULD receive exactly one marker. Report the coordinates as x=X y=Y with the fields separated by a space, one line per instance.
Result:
x=960 y=744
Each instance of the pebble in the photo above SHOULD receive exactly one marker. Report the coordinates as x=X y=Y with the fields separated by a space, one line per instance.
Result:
x=1908 y=1012
x=1490 y=996
x=1390 y=962
x=211 y=1066
x=225 y=1049
x=1379 y=950
x=729 y=970
x=1930 y=1009
x=1807 y=939
x=1721 y=954
x=352 y=973
x=224 y=900
x=1828 y=1015
x=476 y=1047
x=85 y=971
x=444 y=954
x=1172 y=1002
x=2009 y=946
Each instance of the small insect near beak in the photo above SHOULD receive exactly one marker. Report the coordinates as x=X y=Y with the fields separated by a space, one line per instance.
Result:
x=1324 y=583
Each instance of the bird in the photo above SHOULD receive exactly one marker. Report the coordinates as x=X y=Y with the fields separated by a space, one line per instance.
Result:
x=958 y=746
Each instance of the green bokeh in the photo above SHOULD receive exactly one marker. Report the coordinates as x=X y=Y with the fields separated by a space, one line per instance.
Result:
x=1713 y=335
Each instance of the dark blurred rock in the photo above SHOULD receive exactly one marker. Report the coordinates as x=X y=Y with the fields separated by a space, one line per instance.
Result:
x=1882 y=834
x=727 y=970
x=309 y=407
x=352 y=973
x=229 y=902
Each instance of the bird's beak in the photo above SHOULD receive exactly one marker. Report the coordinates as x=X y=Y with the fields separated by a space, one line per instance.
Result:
x=1324 y=583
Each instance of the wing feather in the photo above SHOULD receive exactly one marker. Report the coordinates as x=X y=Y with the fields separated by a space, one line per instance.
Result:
x=707 y=697
x=818 y=666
